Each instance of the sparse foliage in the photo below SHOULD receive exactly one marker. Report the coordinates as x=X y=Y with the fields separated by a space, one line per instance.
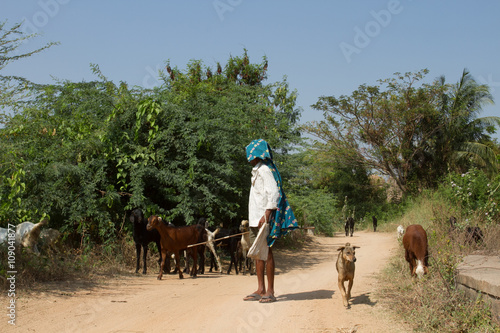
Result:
x=14 y=88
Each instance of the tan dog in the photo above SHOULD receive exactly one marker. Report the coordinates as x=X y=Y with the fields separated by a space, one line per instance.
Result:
x=345 y=268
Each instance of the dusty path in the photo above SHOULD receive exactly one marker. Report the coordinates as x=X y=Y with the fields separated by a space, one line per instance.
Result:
x=306 y=288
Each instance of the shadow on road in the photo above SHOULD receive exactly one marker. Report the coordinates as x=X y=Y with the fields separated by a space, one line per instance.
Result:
x=363 y=299
x=307 y=295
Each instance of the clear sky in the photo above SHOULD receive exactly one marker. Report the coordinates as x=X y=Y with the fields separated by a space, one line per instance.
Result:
x=324 y=47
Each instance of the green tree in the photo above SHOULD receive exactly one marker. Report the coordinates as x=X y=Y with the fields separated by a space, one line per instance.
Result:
x=84 y=153
x=182 y=149
x=399 y=129
x=55 y=141
x=465 y=137
x=13 y=89
x=319 y=184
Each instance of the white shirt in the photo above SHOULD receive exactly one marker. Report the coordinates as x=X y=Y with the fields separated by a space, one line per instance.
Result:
x=264 y=193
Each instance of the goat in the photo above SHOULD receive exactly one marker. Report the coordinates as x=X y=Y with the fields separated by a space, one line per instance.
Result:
x=28 y=233
x=211 y=245
x=245 y=246
x=203 y=237
x=239 y=256
x=3 y=235
x=416 y=250
x=349 y=226
x=453 y=223
x=471 y=233
x=207 y=237
x=142 y=238
x=401 y=231
x=175 y=239
x=230 y=245
x=374 y=222
x=345 y=268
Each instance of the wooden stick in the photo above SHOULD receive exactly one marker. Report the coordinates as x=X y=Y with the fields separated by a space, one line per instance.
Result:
x=243 y=233
x=218 y=239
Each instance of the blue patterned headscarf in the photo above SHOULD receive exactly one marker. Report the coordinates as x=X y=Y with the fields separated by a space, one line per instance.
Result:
x=284 y=220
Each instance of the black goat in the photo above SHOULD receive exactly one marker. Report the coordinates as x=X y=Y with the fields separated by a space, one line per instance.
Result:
x=201 y=249
x=230 y=245
x=453 y=223
x=202 y=222
x=349 y=226
x=142 y=238
x=471 y=233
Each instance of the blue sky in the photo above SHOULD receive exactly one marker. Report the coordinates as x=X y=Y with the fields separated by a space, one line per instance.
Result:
x=324 y=47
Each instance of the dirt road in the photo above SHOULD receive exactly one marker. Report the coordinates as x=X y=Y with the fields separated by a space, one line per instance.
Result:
x=306 y=288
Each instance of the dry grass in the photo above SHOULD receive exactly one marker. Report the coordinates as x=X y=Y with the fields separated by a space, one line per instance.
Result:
x=70 y=264
x=433 y=304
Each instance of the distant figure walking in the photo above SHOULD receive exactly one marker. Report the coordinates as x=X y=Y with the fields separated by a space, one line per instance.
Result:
x=349 y=226
x=374 y=219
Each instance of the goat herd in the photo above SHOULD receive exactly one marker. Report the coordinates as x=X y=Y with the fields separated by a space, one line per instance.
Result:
x=193 y=240
x=190 y=241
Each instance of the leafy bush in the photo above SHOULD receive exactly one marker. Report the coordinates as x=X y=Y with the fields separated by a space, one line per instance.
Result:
x=474 y=194
x=84 y=154
x=318 y=210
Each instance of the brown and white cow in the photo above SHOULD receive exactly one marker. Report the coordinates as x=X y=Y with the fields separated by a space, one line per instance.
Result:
x=416 y=249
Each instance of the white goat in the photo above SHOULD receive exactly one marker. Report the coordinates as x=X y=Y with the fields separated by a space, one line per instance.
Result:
x=245 y=246
x=401 y=231
x=28 y=233
x=211 y=246
x=3 y=235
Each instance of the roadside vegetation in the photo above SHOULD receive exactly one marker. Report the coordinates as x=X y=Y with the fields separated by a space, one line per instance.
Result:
x=434 y=304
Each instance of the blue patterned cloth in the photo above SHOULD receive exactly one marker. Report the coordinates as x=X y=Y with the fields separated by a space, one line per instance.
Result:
x=284 y=220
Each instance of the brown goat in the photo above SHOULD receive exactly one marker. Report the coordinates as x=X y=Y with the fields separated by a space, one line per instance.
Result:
x=174 y=239
x=416 y=249
x=345 y=268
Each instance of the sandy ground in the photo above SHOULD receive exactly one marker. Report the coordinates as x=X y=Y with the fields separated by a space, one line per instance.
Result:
x=306 y=289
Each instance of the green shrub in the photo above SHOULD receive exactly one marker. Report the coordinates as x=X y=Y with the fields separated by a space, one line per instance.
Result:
x=474 y=193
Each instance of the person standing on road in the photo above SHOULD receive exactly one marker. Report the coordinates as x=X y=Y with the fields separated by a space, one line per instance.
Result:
x=267 y=204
